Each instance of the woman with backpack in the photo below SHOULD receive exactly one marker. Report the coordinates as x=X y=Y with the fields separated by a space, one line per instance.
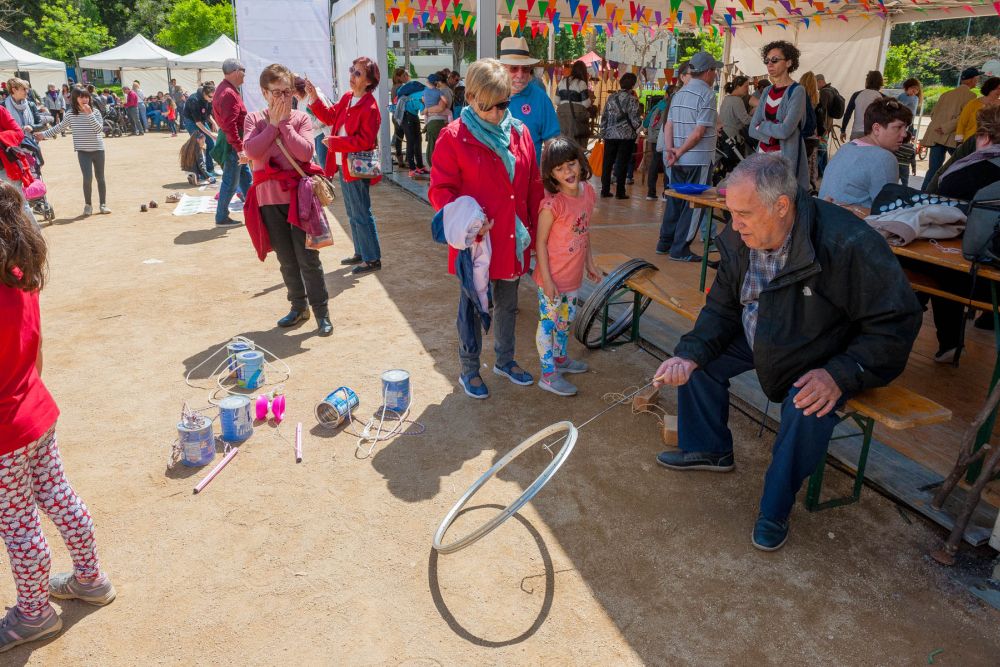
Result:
x=619 y=129
x=780 y=120
x=858 y=103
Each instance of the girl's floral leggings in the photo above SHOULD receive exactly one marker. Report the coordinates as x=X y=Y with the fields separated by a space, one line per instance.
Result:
x=554 y=317
x=32 y=477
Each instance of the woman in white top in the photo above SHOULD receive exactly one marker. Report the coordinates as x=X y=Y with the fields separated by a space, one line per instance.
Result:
x=858 y=104
x=574 y=104
x=88 y=142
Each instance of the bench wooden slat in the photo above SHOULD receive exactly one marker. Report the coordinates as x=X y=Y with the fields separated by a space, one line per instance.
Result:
x=898 y=408
x=684 y=301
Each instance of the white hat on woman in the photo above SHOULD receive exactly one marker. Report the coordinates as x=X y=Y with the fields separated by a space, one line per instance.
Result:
x=514 y=51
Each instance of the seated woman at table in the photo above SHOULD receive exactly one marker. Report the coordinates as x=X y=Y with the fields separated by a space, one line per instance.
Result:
x=962 y=180
x=861 y=168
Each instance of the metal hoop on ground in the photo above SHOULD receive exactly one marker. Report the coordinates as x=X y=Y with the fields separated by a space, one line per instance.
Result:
x=510 y=510
x=587 y=328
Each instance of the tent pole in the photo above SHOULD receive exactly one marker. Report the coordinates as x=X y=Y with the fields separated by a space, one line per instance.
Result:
x=727 y=55
x=381 y=49
x=486 y=29
x=883 y=47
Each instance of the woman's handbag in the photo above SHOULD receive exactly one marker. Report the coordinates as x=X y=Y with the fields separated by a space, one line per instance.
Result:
x=596 y=158
x=364 y=164
x=322 y=187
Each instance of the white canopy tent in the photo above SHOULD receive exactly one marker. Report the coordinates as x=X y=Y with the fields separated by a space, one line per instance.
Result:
x=139 y=59
x=207 y=61
x=41 y=71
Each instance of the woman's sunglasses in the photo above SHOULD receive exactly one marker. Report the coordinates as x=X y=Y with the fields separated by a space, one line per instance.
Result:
x=773 y=60
x=358 y=73
x=502 y=106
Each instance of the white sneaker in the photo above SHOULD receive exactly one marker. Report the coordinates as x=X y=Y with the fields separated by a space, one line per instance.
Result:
x=88 y=210
x=105 y=210
x=946 y=356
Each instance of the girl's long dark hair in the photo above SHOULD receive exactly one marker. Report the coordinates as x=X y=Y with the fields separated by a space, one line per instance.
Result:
x=74 y=97
x=559 y=151
x=191 y=154
x=22 y=248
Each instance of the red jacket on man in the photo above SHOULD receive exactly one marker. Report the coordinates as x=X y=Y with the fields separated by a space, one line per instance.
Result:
x=229 y=113
x=361 y=123
x=464 y=166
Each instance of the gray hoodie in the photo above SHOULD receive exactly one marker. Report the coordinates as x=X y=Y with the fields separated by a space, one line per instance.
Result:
x=787 y=130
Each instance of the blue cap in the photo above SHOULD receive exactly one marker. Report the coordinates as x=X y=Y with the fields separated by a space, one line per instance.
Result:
x=434 y=78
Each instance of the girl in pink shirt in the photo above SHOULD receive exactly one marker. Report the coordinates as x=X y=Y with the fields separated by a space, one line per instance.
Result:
x=563 y=252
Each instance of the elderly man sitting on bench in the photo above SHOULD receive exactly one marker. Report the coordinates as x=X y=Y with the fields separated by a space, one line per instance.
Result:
x=815 y=301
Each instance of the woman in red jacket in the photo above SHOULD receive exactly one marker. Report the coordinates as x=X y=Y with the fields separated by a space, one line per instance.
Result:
x=488 y=155
x=31 y=470
x=354 y=124
x=13 y=170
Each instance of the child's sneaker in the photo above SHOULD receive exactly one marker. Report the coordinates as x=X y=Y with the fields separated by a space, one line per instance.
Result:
x=557 y=385
x=568 y=365
x=65 y=586
x=17 y=629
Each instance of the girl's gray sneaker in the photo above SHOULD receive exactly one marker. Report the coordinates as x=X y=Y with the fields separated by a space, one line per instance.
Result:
x=572 y=366
x=65 y=586
x=557 y=385
x=17 y=629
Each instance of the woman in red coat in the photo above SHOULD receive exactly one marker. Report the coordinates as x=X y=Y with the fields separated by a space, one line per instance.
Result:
x=488 y=155
x=354 y=123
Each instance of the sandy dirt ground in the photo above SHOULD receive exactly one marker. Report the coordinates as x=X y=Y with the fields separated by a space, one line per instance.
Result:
x=617 y=561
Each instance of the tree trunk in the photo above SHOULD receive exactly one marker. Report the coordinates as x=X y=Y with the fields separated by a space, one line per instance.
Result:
x=457 y=54
x=406 y=47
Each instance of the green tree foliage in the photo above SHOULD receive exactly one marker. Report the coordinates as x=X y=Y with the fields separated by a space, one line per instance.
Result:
x=689 y=44
x=147 y=17
x=63 y=33
x=193 y=24
x=390 y=58
x=569 y=47
x=915 y=59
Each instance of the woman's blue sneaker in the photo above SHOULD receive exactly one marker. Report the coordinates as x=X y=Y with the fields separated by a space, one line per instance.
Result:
x=521 y=376
x=475 y=391
x=769 y=535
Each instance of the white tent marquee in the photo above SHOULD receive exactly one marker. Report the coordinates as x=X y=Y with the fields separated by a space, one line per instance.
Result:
x=207 y=61
x=139 y=59
x=42 y=71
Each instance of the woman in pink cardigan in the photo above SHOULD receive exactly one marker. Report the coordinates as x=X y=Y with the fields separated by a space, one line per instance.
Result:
x=271 y=217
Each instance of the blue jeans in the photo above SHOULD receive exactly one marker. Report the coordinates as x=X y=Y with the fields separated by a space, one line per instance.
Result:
x=470 y=331
x=321 y=151
x=703 y=415
x=193 y=130
x=938 y=154
x=155 y=119
x=232 y=171
x=678 y=214
x=358 y=202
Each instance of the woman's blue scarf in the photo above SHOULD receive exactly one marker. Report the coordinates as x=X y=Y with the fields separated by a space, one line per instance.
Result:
x=497 y=139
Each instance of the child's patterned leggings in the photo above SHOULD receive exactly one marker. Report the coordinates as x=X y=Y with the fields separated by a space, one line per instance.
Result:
x=554 y=317
x=34 y=474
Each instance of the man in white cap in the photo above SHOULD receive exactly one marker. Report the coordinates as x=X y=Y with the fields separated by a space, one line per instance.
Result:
x=528 y=102
x=229 y=113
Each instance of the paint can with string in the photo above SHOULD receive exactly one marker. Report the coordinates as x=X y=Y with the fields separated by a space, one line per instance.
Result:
x=333 y=410
x=196 y=440
x=235 y=418
x=250 y=369
x=234 y=347
x=396 y=389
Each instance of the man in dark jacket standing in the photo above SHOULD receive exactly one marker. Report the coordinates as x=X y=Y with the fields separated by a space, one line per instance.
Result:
x=197 y=117
x=229 y=113
x=815 y=301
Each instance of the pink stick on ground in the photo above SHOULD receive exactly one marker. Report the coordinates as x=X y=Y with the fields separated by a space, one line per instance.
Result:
x=298 y=443
x=216 y=470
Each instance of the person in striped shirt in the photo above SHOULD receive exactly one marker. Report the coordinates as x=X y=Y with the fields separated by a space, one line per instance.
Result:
x=88 y=142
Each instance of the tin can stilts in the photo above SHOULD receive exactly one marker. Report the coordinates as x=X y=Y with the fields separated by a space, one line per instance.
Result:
x=234 y=348
x=396 y=389
x=235 y=417
x=197 y=442
x=250 y=369
x=335 y=408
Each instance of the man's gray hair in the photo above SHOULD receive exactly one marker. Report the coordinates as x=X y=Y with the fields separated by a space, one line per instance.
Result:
x=771 y=175
x=821 y=77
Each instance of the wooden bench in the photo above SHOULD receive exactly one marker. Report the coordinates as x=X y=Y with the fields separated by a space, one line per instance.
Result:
x=894 y=407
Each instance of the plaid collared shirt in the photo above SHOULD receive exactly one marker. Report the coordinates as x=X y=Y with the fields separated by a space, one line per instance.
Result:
x=764 y=266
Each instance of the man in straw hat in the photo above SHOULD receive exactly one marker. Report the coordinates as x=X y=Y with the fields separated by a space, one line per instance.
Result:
x=528 y=101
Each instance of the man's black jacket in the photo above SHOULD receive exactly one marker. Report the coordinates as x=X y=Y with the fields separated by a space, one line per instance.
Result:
x=841 y=303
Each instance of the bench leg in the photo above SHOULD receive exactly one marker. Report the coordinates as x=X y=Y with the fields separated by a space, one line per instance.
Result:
x=815 y=487
x=636 y=314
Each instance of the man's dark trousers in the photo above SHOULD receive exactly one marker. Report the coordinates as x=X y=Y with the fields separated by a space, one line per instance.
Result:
x=703 y=416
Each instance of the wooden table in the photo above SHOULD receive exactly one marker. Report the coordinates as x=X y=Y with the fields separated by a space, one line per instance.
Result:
x=710 y=199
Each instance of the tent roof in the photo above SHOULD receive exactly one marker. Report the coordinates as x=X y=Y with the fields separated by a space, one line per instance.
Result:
x=210 y=57
x=15 y=58
x=137 y=53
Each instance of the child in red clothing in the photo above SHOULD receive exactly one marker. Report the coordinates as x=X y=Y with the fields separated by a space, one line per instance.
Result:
x=171 y=116
x=31 y=471
x=563 y=251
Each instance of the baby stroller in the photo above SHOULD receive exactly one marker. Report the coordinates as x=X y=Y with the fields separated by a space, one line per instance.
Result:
x=729 y=152
x=115 y=122
x=36 y=192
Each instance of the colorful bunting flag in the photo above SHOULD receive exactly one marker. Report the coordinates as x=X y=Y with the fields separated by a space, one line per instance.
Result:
x=543 y=6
